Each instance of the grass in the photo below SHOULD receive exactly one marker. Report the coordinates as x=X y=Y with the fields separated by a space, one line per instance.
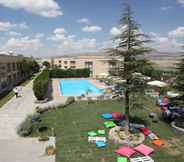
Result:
x=11 y=94
x=72 y=123
x=6 y=98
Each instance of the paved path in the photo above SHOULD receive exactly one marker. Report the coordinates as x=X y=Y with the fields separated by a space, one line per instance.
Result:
x=15 y=148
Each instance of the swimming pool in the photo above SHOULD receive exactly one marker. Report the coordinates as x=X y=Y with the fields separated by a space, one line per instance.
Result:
x=78 y=88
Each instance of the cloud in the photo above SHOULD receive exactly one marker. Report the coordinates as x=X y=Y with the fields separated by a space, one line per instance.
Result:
x=164 y=43
x=91 y=29
x=39 y=35
x=15 y=34
x=60 y=31
x=181 y=2
x=177 y=33
x=6 y=26
x=45 y=8
x=83 y=20
x=22 y=44
x=115 y=31
x=23 y=26
x=69 y=42
x=164 y=8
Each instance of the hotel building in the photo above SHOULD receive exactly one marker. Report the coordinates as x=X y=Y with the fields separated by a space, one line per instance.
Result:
x=99 y=65
x=10 y=72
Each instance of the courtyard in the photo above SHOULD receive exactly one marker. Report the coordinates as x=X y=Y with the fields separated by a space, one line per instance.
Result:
x=72 y=123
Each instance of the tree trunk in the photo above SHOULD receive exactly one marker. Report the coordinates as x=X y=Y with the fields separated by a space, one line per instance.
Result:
x=127 y=111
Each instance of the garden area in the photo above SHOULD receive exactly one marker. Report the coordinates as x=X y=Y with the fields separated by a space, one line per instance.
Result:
x=72 y=124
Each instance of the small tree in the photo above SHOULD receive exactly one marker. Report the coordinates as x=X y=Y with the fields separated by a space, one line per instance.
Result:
x=180 y=81
x=46 y=64
x=130 y=49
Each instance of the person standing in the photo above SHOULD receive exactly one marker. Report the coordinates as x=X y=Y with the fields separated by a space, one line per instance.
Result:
x=16 y=91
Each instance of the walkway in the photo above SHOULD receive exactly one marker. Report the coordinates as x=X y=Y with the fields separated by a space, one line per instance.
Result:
x=15 y=148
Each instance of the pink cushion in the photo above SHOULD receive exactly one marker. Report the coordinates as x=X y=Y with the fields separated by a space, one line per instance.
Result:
x=125 y=151
x=143 y=149
x=117 y=116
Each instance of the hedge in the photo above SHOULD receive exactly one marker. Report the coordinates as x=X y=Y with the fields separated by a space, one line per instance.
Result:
x=70 y=73
x=40 y=85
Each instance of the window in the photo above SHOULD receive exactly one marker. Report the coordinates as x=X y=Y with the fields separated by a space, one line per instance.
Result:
x=65 y=62
x=65 y=67
x=8 y=67
x=73 y=67
x=60 y=61
x=72 y=62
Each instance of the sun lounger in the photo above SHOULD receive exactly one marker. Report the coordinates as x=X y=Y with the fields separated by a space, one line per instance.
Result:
x=142 y=159
x=95 y=139
x=122 y=159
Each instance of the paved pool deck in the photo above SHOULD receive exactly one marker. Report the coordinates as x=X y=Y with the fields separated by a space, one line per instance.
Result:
x=13 y=147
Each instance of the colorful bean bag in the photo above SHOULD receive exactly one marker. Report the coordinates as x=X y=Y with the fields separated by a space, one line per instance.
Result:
x=101 y=132
x=145 y=131
x=122 y=159
x=125 y=151
x=109 y=124
x=117 y=116
x=100 y=144
x=92 y=134
x=158 y=142
x=143 y=149
x=107 y=116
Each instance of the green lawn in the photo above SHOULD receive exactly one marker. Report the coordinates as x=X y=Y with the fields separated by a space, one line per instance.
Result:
x=72 y=123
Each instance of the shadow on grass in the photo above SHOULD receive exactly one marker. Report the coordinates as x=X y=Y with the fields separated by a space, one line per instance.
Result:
x=138 y=120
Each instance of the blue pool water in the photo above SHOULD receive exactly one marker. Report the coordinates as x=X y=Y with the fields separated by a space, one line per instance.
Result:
x=78 y=87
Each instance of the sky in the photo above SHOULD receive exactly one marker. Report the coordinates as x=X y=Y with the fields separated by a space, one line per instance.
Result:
x=43 y=28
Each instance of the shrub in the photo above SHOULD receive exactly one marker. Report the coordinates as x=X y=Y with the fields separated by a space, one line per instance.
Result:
x=26 y=127
x=40 y=85
x=70 y=73
x=69 y=101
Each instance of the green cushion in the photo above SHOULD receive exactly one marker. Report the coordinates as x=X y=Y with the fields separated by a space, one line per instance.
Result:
x=101 y=132
x=109 y=124
x=121 y=159
x=92 y=134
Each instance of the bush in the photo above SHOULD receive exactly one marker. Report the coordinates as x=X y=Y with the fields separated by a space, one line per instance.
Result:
x=40 y=85
x=26 y=127
x=70 y=73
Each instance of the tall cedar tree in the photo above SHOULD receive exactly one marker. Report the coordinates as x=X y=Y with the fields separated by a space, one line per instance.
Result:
x=180 y=80
x=131 y=49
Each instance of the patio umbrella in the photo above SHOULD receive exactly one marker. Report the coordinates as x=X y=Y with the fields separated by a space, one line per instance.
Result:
x=157 y=83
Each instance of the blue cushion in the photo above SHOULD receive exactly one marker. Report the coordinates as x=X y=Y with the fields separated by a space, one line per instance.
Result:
x=100 y=144
x=107 y=116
